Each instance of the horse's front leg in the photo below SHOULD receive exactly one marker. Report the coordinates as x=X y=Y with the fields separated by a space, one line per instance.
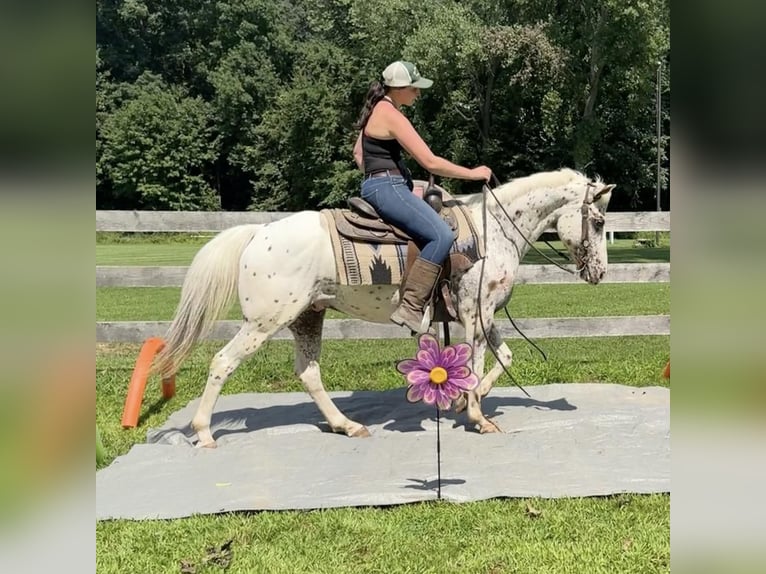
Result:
x=504 y=357
x=473 y=398
x=307 y=332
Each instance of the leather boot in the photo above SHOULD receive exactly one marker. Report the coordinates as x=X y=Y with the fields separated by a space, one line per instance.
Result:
x=416 y=292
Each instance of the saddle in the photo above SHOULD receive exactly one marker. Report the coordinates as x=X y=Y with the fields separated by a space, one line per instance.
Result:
x=360 y=224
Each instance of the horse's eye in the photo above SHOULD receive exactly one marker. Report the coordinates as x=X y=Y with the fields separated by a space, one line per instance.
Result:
x=598 y=225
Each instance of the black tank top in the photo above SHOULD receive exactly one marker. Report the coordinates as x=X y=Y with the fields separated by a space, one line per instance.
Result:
x=379 y=155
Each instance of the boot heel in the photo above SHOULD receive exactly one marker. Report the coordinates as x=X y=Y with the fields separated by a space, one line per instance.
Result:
x=414 y=310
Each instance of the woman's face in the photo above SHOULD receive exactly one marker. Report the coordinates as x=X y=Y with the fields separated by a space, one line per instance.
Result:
x=406 y=96
x=412 y=95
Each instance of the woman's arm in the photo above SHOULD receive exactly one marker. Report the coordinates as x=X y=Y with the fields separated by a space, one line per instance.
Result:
x=401 y=128
x=358 y=152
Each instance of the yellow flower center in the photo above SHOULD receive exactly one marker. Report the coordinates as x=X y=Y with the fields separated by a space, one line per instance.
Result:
x=438 y=375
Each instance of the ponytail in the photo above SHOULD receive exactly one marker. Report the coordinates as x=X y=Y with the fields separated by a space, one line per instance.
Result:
x=374 y=95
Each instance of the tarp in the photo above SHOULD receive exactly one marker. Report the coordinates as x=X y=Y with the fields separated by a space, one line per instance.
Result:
x=275 y=452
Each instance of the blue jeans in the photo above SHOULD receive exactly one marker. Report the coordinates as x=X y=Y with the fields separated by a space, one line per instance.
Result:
x=396 y=204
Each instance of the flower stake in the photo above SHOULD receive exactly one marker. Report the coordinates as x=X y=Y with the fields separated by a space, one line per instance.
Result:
x=437 y=377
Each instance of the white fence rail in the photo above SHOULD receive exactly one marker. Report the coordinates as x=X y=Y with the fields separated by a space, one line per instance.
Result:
x=108 y=276
x=214 y=221
x=546 y=328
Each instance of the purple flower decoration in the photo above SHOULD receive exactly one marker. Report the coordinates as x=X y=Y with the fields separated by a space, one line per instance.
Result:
x=438 y=375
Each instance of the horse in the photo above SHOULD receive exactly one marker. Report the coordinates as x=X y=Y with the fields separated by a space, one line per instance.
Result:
x=284 y=273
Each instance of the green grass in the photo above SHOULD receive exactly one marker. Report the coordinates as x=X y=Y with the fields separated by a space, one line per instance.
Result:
x=622 y=251
x=147 y=253
x=625 y=533
x=566 y=300
x=143 y=237
x=140 y=250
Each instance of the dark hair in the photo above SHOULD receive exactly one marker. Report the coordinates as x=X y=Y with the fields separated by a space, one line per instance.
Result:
x=374 y=94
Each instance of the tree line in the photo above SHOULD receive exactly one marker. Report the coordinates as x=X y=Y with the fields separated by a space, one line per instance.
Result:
x=250 y=104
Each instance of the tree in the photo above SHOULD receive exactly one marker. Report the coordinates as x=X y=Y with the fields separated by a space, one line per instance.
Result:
x=269 y=91
x=607 y=89
x=158 y=148
x=301 y=150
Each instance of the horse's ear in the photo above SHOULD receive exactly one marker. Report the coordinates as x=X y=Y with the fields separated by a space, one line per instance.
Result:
x=606 y=189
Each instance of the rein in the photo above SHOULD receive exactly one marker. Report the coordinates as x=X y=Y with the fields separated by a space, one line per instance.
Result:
x=486 y=188
x=584 y=210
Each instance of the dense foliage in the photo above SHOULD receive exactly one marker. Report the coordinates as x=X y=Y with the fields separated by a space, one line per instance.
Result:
x=250 y=104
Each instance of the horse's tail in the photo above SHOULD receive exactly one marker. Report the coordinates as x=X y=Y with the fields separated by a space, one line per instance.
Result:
x=208 y=291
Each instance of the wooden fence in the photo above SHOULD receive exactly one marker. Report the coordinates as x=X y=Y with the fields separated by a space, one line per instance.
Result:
x=210 y=222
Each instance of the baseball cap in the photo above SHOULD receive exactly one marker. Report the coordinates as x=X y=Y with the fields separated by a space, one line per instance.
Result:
x=401 y=74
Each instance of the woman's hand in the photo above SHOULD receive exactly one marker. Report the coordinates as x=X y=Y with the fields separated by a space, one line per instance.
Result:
x=481 y=173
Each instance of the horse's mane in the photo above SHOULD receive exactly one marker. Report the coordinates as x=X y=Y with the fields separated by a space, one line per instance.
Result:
x=543 y=179
x=556 y=178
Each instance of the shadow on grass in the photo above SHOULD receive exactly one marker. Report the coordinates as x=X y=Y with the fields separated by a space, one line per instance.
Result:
x=153 y=409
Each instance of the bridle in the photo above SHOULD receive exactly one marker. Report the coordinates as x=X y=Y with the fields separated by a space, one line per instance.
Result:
x=584 y=236
x=584 y=244
x=585 y=212
x=585 y=239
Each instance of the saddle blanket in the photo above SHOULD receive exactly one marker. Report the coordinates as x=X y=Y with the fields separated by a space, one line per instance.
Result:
x=367 y=263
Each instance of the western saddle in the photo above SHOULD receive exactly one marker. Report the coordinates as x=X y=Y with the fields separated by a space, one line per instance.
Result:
x=361 y=223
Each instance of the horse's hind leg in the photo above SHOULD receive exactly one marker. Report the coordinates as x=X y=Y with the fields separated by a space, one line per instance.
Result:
x=246 y=342
x=307 y=331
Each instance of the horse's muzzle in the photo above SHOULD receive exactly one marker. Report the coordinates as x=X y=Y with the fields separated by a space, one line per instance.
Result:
x=592 y=276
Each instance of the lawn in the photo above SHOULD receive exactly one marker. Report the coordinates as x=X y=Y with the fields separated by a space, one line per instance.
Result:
x=566 y=300
x=172 y=249
x=623 y=533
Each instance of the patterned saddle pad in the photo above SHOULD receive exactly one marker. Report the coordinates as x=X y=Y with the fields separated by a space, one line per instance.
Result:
x=369 y=251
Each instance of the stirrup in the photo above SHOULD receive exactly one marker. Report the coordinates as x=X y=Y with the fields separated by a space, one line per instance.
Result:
x=425 y=322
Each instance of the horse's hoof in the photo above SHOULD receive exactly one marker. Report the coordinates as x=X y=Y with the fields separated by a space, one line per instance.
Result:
x=488 y=426
x=460 y=404
x=361 y=432
x=208 y=444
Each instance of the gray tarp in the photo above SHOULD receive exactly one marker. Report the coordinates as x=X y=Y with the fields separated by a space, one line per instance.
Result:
x=568 y=440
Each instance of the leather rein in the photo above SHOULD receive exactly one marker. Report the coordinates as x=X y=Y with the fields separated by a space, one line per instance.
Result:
x=585 y=233
x=584 y=244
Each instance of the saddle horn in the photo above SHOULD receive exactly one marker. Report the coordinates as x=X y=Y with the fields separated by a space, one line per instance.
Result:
x=433 y=195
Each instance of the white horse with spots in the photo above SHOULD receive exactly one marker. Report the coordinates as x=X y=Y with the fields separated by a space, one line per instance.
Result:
x=285 y=275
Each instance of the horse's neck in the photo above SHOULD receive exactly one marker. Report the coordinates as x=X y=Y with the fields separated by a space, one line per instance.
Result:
x=532 y=211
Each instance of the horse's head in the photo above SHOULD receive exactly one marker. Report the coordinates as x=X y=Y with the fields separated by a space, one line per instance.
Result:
x=581 y=229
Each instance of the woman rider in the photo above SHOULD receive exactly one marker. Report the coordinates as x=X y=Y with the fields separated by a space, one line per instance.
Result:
x=383 y=132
